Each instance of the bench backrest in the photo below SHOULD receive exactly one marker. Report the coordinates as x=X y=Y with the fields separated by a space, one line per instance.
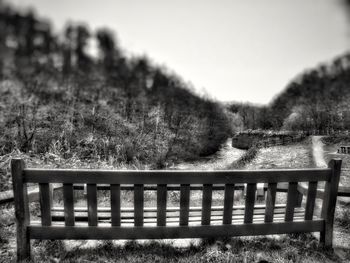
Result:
x=205 y=180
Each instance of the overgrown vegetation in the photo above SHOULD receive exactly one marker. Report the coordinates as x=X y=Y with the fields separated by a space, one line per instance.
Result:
x=56 y=97
x=336 y=139
x=246 y=158
x=343 y=217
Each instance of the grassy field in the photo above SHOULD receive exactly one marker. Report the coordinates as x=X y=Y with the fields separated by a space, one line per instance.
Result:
x=277 y=248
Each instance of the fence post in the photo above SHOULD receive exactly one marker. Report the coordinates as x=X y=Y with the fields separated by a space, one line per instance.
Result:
x=329 y=202
x=21 y=209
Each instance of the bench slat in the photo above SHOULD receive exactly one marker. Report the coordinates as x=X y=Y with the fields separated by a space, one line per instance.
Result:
x=310 y=201
x=206 y=203
x=115 y=204
x=138 y=204
x=92 y=204
x=45 y=198
x=249 y=203
x=184 y=204
x=68 y=202
x=175 y=218
x=161 y=204
x=292 y=198
x=170 y=187
x=270 y=202
x=228 y=203
x=169 y=209
x=101 y=232
x=105 y=213
x=175 y=176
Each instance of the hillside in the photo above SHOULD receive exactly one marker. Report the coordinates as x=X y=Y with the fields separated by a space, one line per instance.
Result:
x=317 y=99
x=56 y=97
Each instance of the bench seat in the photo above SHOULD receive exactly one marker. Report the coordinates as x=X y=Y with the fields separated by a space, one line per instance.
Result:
x=173 y=213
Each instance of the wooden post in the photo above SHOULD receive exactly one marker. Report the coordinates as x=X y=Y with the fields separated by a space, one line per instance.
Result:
x=21 y=209
x=329 y=203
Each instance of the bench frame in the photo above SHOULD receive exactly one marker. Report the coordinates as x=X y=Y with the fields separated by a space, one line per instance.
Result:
x=46 y=177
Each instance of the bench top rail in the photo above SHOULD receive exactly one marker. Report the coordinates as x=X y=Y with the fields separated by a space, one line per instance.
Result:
x=72 y=176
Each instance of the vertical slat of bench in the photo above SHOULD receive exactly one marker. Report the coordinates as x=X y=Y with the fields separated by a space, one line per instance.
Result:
x=329 y=202
x=249 y=203
x=21 y=209
x=161 y=204
x=270 y=202
x=310 y=201
x=115 y=204
x=138 y=204
x=206 y=203
x=228 y=203
x=45 y=199
x=292 y=198
x=68 y=202
x=184 y=204
x=92 y=204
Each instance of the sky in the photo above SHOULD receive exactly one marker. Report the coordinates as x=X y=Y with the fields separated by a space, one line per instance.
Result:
x=231 y=50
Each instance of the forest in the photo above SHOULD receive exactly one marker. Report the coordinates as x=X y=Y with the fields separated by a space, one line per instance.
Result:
x=57 y=97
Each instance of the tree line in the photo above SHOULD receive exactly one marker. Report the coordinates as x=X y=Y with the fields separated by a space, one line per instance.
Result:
x=57 y=96
x=316 y=100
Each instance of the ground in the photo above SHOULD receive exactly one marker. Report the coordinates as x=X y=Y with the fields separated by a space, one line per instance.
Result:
x=220 y=161
x=278 y=248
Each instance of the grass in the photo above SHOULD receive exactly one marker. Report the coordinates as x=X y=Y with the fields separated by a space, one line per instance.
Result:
x=343 y=217
x=286 y=248
x=298 y=155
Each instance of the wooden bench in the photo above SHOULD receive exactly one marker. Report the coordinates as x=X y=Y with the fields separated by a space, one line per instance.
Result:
x=344 y=149
x=164 y=221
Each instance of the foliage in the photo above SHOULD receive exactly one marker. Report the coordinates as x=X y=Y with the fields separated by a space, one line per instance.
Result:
x=335 y=139
x=316 y=100
x=56 y=97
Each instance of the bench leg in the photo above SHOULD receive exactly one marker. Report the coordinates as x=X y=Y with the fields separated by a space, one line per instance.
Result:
x=23 y=245
x=299 y=199
x=21 y=210
x=326 y=239
x=329 y=203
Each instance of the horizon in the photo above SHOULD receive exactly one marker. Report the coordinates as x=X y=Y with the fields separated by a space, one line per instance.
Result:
x=254 y=57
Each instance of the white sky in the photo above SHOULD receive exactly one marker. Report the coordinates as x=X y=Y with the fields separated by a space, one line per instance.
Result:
x=241 y=50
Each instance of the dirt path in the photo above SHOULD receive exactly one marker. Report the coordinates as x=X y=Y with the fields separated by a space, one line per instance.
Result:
x=317 y=152
x=220 y=161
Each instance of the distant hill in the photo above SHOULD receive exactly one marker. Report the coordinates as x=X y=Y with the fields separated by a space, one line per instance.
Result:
x=56 y=97
x=317 y=99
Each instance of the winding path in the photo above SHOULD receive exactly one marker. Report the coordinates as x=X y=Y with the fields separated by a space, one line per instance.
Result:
x=317 y=152
x=219 y=161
